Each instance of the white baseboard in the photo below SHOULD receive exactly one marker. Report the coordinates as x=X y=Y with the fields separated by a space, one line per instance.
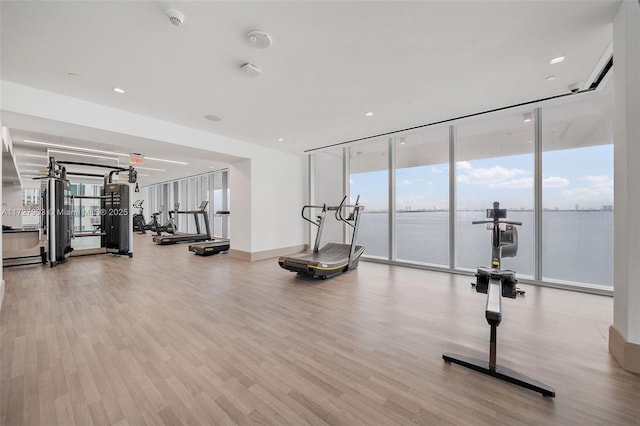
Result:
x=266 y=254
x=626 y=353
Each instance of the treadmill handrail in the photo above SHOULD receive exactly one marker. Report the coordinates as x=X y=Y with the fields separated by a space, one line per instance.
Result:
x=310 y=206
x=352 y=215
x=189 y=211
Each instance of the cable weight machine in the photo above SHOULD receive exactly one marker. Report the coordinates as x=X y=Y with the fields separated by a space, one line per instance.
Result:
x=116 y=220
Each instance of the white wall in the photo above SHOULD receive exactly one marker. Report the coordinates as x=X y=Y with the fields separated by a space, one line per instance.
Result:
x=278 y=192
x=626 y=42
x=270 y=204
x=12 y=204
x=241 y=206
x=268 y=188
x=328 y=189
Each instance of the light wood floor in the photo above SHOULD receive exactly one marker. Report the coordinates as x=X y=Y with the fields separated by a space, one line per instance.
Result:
x=172 y=338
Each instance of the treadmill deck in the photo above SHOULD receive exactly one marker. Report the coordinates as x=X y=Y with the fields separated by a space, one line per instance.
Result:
x=179 y=238
x=330 y=260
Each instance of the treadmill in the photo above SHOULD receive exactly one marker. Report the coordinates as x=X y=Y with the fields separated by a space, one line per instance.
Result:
x=184 y=237
x=216 y=245
x=208 y=248
x=333 y=258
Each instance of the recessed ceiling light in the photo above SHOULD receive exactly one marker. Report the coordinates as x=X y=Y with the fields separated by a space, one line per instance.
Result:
x=118 y=90
x=212 y=117
x=368 y=114
x=57 y=145
x=83 y=155
x=527 y=117
x=73 y=74
x=551 y=77
x=556 y=60
x=280 y=139
x=167 y=161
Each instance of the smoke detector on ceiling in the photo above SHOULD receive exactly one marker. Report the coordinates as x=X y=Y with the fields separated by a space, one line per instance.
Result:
x=250 y=70
x=175 y=17
x=259 y=39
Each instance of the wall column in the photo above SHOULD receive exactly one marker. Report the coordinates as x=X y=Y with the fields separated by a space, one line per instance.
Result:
x=624 y=334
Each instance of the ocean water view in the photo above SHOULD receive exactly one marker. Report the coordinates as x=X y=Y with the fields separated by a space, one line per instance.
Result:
x=577 y=244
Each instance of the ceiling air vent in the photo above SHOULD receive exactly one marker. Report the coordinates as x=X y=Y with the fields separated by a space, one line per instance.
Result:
x=250 y=70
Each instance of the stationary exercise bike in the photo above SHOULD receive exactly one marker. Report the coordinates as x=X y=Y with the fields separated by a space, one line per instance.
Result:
x=169 y=226
x=138 y=218
x=498 y=283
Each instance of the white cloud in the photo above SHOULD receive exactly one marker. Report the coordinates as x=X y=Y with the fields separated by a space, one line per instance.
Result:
x=491 y=176
x=555 y=182
x=440 y=169
x=597 y=194
x=602 y=181
x=464 y=165
x=501 y=177
x=526 y=182
x=411 y=181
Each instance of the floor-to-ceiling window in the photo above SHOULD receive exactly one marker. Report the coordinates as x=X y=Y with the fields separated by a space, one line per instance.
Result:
x=577 y=197
x=369 y=179
x=189 y=193
x=495 y=162
x=328 y=188
x=550 y=165
x=422 y=196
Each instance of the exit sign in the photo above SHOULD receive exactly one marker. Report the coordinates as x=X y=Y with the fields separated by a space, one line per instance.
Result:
x=136 y=158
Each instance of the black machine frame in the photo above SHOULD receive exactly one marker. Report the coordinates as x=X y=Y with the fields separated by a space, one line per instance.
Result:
x=116 y=222
x=498 y=283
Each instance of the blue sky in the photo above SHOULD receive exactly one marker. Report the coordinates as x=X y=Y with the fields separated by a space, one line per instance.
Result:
x=582 y=176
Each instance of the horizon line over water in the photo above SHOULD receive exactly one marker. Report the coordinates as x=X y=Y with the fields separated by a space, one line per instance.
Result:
x=577 y=245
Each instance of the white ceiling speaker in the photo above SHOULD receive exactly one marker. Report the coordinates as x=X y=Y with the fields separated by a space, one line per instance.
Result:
x=250 y=70
x=259 y=39
x=175 y=17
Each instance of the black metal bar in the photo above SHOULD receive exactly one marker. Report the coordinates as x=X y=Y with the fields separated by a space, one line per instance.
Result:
x=84 y=174
x=493 y=343
x=90 y=197
x=21 y=257
x=22 y=264
x=501 y=373
x=89 y=234
x=104 y=166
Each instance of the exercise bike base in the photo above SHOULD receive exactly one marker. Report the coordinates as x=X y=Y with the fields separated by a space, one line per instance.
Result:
x=501 y=373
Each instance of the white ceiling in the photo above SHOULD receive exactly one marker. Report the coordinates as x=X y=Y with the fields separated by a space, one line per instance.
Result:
x=410 y=63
